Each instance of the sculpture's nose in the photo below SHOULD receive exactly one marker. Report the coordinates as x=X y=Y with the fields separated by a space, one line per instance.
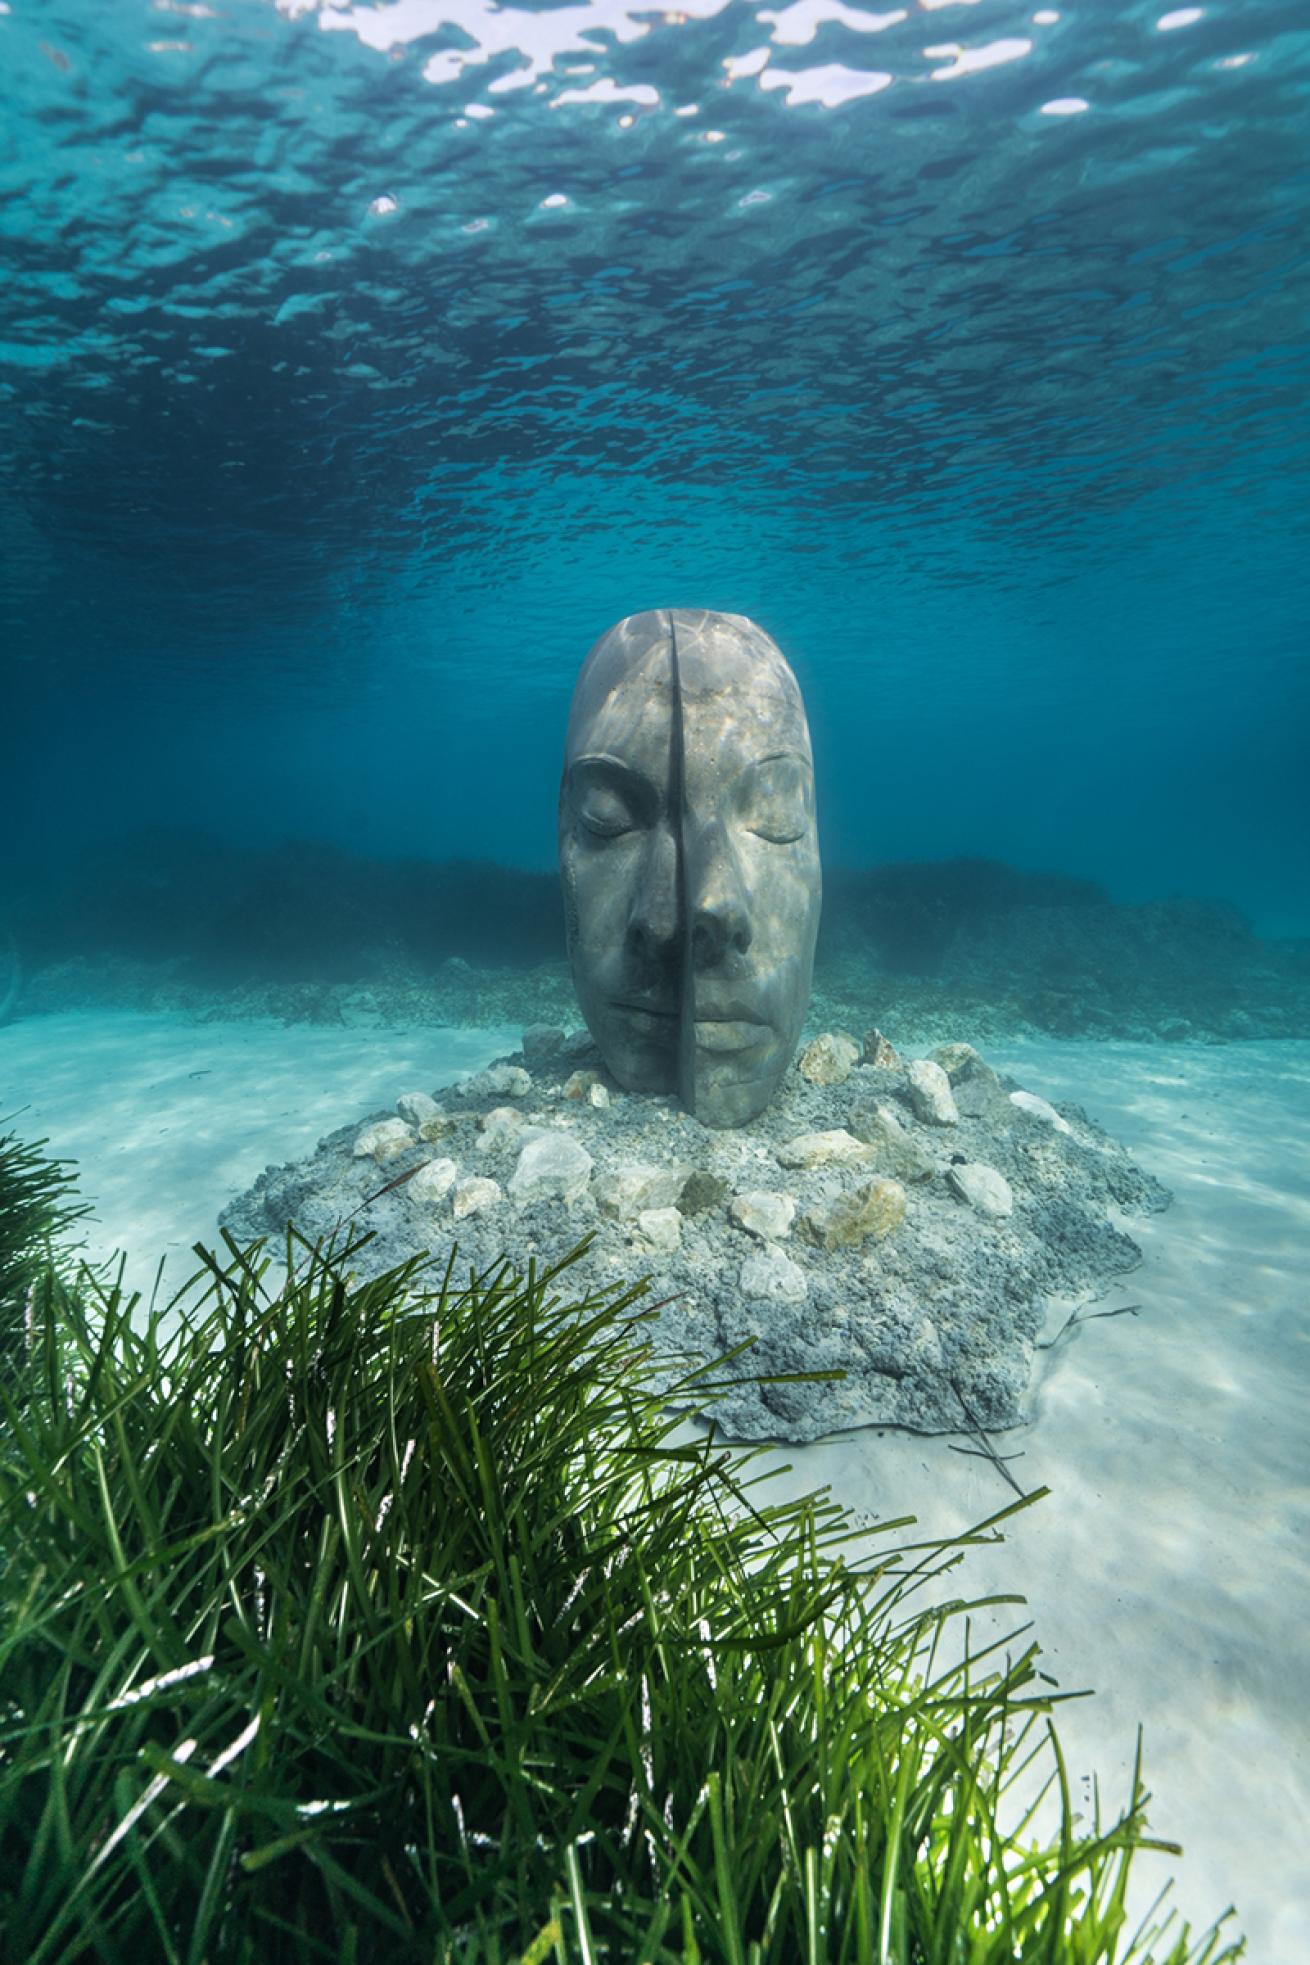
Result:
x=653 y=923
x=720 y=913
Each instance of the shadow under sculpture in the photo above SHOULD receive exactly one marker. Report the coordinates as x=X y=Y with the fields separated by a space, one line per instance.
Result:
x=689 y=857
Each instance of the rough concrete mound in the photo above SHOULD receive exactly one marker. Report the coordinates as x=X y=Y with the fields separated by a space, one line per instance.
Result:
x=906 y=1223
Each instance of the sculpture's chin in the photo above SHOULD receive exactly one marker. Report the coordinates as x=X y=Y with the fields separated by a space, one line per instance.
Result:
x=732 y=1088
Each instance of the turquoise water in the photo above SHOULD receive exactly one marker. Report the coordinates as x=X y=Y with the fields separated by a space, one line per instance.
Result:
x=360 y=365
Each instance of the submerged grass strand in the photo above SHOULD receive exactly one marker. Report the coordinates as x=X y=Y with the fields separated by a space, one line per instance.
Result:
x=347 y=1619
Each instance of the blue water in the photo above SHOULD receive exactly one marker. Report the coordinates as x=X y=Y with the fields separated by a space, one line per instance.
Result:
x=360 y=365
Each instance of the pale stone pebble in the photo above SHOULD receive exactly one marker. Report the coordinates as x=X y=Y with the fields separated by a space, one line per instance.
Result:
x=837 y=1148
x=510 y=1080
x=475 y=1195
x=769 y=1275
x=384 y=1140
x=418 y=1109
x=766 y=1215
x=1040 y=1108
x=985 y=1190
x=627 y=1190
x=880 y=1051
x=930 y=1093
x=598 y=1095
x=956 y=1060
x=496 y=1124
x=580 y=1084
x=433 y=1181
x=893 y=1148
x=867 y=1212
x=829 y=1059
x=660 y=1229
x=552 y=1167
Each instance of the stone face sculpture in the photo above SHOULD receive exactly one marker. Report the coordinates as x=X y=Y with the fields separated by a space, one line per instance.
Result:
x=689 y=858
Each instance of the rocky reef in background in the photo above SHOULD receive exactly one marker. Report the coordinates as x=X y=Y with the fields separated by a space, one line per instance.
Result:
x=305 y=932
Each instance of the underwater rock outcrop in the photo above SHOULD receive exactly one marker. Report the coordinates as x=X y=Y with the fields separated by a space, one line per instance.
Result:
x=845 y=1229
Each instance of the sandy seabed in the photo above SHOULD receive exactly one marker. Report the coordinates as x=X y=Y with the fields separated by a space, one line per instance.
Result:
x=1169 y=1568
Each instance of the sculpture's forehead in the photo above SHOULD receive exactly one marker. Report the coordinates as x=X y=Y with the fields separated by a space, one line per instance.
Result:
x=733 y=678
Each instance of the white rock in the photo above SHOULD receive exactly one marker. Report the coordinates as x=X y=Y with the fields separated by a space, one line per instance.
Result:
x=383 y=1140
x=628 y=1191
x=770 y=1275
x=598 y=1094
x=474 y=1195
x=497 y=1127
x=660 y=1229
x=930 y=1093
x=551 y=1167
x=417 y=1108
x=765 y=1215
x=1038 y=1108
x=510 y=1080
x=982 y=1187
x=835 y=1149
x=830 y=1059
x=433 y=1181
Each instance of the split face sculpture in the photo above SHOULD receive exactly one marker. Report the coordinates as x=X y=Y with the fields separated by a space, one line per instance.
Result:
x=690 y=858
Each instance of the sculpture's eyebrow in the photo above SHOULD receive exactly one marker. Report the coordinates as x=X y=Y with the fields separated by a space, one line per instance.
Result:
x=603 y=764
x=599 y=768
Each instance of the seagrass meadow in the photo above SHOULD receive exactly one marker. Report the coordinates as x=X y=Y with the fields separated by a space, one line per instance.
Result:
x=341 y=1621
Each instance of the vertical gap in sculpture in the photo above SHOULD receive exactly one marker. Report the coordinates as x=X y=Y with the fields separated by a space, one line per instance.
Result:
x=678 y=817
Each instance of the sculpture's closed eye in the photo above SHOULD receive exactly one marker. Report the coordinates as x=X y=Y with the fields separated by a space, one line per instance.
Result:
x=775 y=799
x=602 y=811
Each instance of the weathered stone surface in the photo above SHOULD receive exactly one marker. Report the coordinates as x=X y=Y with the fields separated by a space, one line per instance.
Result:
x=660 y=1229
x=893 y=1149
x=542 y=1044
x=598 y=1095
x=880 y=1051
x=580 y=1084
x=384 y=1140
x=980 y=1094
x=828 y=1060
x=835 y=1148
x=579 y=1047
x=701 y=1192
x=475 y=1195
x=1039 y=1108
x=553 y=1166
x=432 y=1182
x=956 y=1060
x=498 y=1128
x=765 y=1215
x=982 y=1187
x=869 y=1211
x=930 y=1093
x=505 y=1080
x=626 y=1191
x=773 y=1277
x=418 y=1109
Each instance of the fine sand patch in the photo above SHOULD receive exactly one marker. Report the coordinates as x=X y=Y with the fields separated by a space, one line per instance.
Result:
x=1169 y=1569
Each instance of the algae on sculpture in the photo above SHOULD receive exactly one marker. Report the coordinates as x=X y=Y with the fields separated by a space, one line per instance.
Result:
x=689 y=858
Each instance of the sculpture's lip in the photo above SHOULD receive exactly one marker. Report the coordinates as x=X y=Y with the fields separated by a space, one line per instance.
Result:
x=645 y=1010
x=730 y=1033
